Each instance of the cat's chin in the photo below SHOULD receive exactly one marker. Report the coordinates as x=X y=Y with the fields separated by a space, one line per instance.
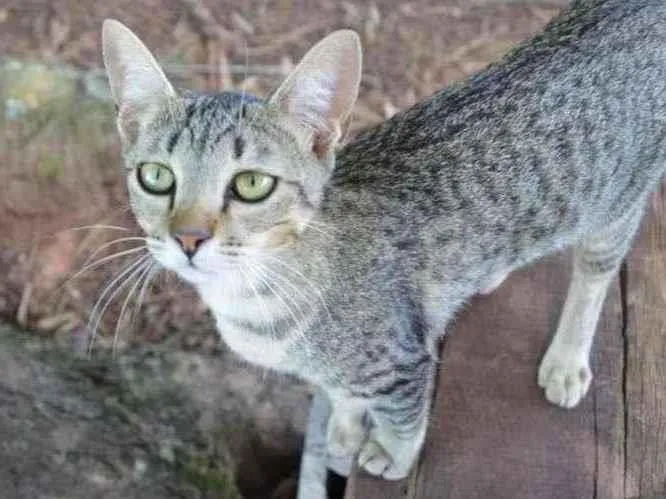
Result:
x=195 y=275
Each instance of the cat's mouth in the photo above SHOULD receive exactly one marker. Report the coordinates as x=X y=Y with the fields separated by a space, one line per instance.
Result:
x=191 y=266
x=195 y=274
x=205 y=265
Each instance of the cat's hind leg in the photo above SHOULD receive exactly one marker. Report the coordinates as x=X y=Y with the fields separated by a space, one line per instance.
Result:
x=565 y=373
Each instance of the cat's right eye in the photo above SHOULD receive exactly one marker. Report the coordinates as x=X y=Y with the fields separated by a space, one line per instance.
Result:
x=156 y=178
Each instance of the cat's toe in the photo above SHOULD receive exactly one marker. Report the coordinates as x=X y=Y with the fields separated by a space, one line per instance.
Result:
x=376 y=461
x=373 y=458
x=565 y=379
x=344 y=437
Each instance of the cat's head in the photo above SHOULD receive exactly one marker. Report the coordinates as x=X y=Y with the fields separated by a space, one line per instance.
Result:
x=214 y=176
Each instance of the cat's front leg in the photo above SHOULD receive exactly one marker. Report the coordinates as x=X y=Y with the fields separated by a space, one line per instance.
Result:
x=347 y=429
x=386 y=449
x=564 y=372
x=399 y=418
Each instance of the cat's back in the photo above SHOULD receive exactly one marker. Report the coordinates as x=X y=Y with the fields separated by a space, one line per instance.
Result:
x=587 y=93
x=596 y=48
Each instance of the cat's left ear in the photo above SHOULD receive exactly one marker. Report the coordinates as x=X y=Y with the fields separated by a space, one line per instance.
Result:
x=320 y=92
x=137 y=81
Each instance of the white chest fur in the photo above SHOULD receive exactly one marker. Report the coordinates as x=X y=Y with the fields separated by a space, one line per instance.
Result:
x=257 y=349
x=230 y=311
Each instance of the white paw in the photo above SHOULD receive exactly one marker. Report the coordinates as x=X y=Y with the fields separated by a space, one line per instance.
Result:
x=565 y=377
x=377 y=461
x=344 y=435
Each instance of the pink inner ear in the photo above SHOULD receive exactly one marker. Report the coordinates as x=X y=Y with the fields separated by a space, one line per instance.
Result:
x=310 y=103
x=324 y=139
x=321 y=143
x=313 y=95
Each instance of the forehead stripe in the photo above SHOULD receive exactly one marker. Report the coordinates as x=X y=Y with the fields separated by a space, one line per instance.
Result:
x=173 y=140
x=239 y=146
x=175 y=137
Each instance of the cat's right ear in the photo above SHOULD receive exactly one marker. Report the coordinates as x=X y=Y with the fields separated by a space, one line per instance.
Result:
x=136 y=79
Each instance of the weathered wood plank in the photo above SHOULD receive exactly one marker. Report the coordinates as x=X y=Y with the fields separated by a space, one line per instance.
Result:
x=492 y=433
x=366 y=487
x=645 y=382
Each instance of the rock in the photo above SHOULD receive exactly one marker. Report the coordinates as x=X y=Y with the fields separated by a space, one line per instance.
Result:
x=81 y=429
x=150 y=424
x=28 y=85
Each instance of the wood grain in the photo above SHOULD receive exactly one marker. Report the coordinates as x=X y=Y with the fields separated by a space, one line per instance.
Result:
x=645 y=383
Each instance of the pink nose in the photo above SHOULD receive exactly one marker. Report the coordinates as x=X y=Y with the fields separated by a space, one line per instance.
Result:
x=190 y=240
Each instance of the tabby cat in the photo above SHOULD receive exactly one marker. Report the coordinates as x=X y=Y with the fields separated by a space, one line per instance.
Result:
x=345 y=268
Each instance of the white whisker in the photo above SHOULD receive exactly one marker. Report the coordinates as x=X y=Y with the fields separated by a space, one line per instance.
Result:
x=95 y=316
x=106 y=259
x=239 y=122
x=295 y=289
x=302 y=277
x=97 y=226
x=143 y=271
x=264 y=308
x=154 y=270
x=301 y=324
x=321 y=227
x=111 y=243
x=265 y=279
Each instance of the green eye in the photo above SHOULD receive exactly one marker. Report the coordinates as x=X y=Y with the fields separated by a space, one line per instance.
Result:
x=253 y=187
x=156 y=178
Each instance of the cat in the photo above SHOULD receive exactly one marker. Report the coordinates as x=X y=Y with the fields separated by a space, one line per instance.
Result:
x=345 y=267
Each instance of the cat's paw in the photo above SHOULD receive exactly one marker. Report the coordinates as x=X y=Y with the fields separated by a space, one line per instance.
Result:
x=377 y=461
x=345 y=434
x=565 y=377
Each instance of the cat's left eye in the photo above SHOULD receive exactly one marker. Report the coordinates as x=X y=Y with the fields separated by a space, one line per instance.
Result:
x=156 y=178
x=253 y=187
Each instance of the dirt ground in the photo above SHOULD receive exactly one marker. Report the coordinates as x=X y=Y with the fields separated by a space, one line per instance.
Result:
x=411 y=49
